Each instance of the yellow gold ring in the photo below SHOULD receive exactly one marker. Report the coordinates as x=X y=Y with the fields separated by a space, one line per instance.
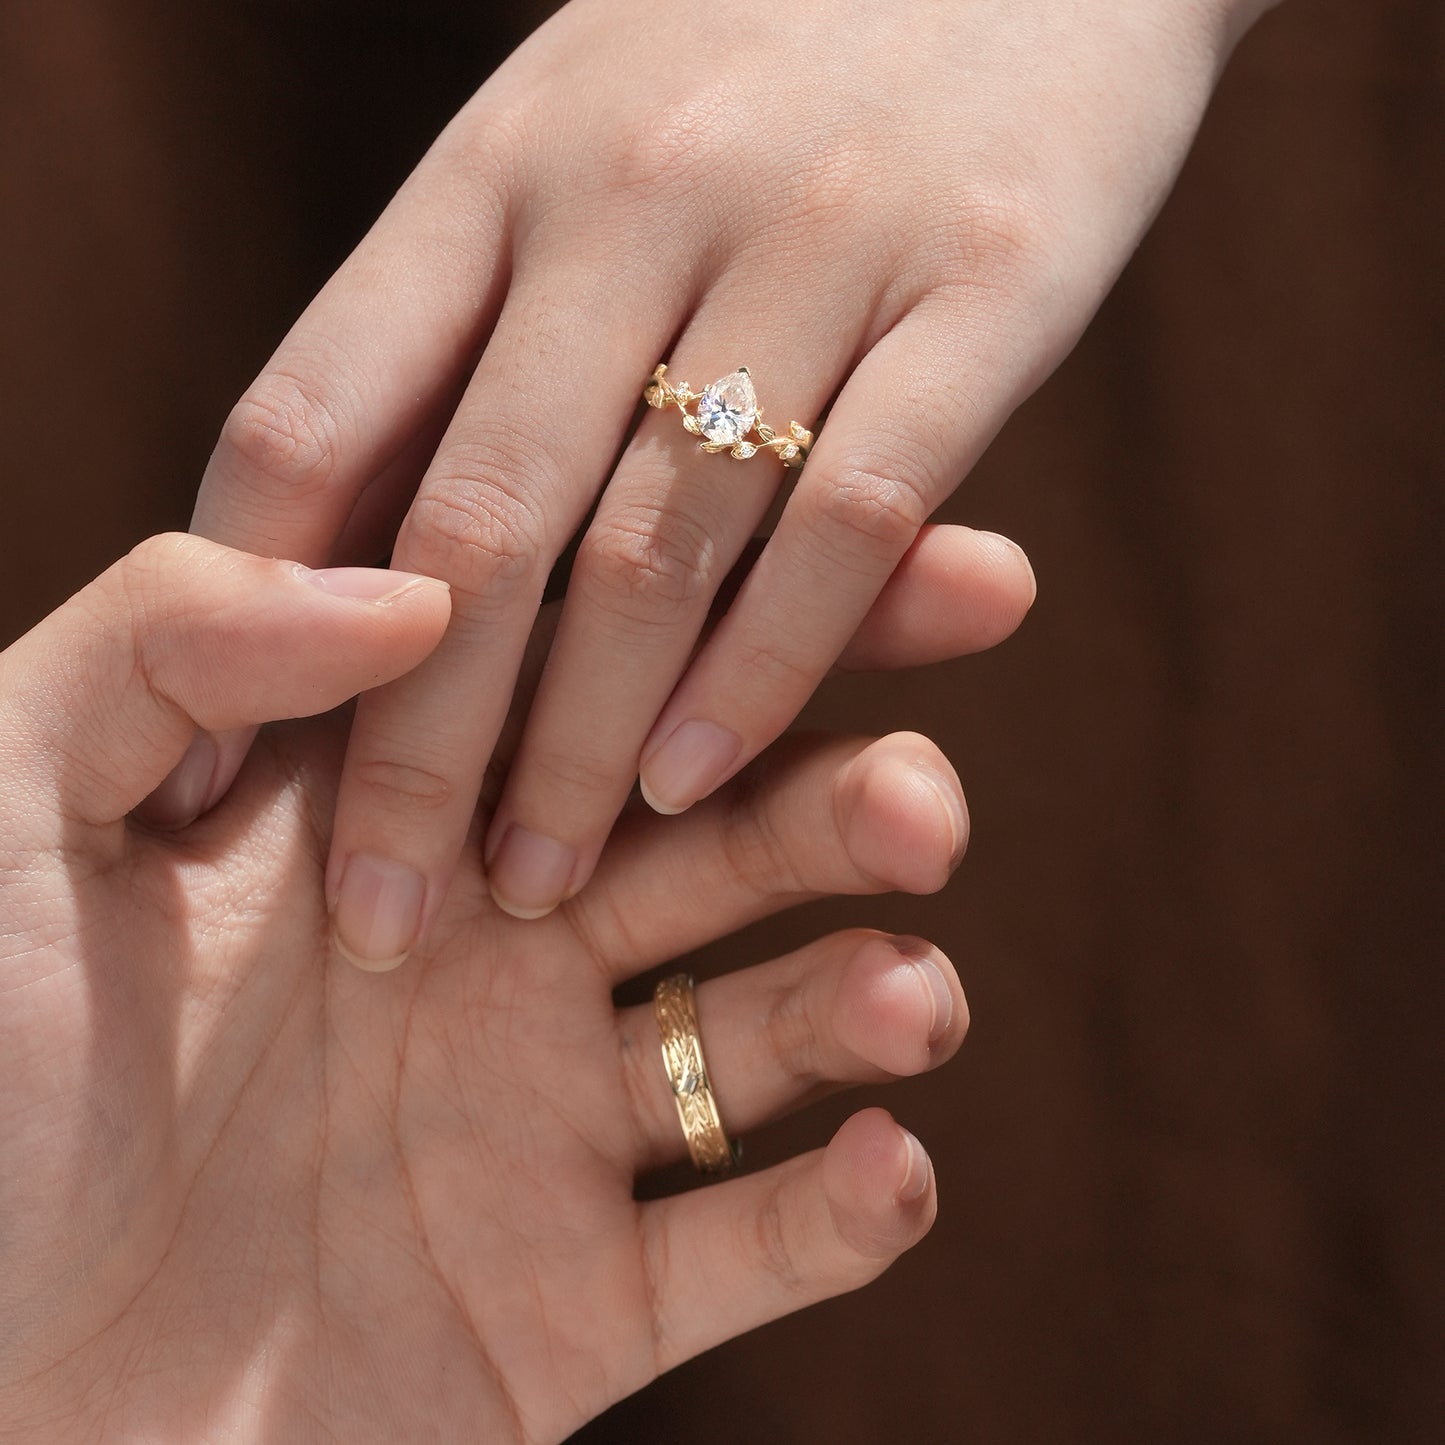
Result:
x=675 y=1006
x=728 y=417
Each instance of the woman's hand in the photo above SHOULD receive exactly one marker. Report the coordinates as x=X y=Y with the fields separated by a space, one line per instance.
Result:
x=914 y=207
x=248 y=1190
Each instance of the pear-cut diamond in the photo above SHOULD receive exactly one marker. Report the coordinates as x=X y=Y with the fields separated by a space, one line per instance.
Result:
x=728 y=408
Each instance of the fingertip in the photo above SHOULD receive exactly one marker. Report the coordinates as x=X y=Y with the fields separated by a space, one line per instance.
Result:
x=378 y=912
x=899 y=1006
x=528 y=873
x=880 y=1186
x=1011 y=564
x=906 y=823
x=938 y=982
x=689 y=762
x=666 y=810
x=366 y=965
x=520 y=911
x=956 y=591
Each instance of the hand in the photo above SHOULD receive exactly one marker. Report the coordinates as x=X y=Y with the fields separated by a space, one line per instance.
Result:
x=248 y=1192
x=916 y=207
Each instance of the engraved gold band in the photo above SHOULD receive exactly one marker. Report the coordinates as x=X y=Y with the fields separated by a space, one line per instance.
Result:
x=675 y=1006
x=728 y=418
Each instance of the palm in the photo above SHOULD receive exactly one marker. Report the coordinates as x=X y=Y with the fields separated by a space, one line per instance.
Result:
x=394 y=1203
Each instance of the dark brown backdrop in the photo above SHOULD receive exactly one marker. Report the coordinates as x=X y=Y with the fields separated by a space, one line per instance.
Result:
x=1188 y=1158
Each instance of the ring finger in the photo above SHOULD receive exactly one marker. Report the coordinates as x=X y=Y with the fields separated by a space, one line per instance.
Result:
x=670 y=526
x=856 y=1007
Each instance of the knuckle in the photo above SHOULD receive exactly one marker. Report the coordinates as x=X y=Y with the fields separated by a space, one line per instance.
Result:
x=793 y=1037
x=153 y=564
x=671 y=143
x=283 y=437
x=873 y=506
x=132 y=592
x=774 y=1243
x=577 y=772
x=482 y=157
x=773 y=672
x=648 y=561
x=473 y=529
x=830 y=188
x=154 y=585
x=754 y=848
x=611 y=935
x=406 y=787
x=999 y=248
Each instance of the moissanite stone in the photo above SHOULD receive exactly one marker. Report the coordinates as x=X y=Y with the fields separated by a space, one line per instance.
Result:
x=728 y=408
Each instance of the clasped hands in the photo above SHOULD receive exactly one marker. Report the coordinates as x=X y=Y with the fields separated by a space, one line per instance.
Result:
x=247 y=1188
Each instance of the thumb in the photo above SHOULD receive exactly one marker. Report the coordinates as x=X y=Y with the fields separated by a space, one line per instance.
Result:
x=103 y=698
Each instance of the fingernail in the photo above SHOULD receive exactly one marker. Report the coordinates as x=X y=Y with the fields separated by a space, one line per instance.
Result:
x=1008 y=544
x=688 y=766
x=939 y=995
x=378 y=912
x=368 y=584
x=180 y=799
x=919 y=952
x=953 y=809
x=529 y=872
x=915 y=1171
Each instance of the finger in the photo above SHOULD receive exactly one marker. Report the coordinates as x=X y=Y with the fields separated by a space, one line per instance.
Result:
x=671 y=523
x=509 y=486
x=105 y=696
x=904 y=430
x=366 y=540
x=323 y=448
x=858 y=1007
x=815 y=817
x=955 y=591
x=726 y=1259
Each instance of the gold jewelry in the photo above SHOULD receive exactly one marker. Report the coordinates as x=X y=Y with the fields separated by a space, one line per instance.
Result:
x=675 y=1005
x=727 y=413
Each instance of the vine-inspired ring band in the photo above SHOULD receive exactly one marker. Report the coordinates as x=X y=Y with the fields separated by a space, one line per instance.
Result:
x=675 y=1007
x=728 y=417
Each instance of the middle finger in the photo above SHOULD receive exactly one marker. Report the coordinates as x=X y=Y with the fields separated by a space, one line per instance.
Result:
x=670 y=525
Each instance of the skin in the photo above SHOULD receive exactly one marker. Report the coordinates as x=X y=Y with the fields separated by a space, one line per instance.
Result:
x=909 y=210
x=248 y=1191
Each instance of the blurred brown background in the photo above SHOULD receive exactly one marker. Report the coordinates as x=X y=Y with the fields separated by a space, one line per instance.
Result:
x=1189 y=1158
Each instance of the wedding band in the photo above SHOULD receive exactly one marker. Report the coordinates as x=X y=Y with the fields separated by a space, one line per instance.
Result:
x=675 y=1005
x=727 y=416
